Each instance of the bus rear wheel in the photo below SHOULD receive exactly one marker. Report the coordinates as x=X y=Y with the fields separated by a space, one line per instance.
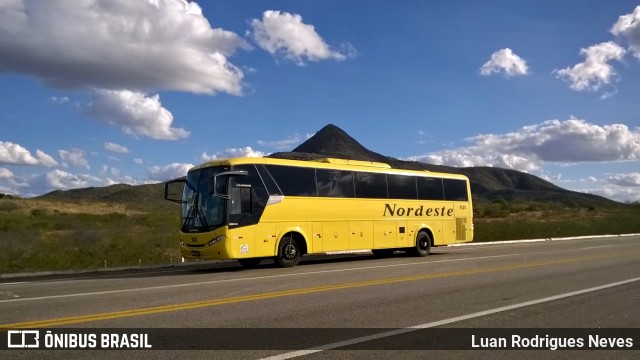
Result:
x=423 y=244
x=288 y=252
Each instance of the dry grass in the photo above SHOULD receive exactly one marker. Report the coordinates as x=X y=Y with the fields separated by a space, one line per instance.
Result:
x=558 y=222
x=41 y=235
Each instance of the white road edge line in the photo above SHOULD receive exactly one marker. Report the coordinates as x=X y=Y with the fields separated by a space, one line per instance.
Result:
x=248 y=278
x=385 y=334
x=596 y=247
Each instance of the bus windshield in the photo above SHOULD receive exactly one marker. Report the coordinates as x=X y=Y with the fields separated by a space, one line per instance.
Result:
x=201 y=210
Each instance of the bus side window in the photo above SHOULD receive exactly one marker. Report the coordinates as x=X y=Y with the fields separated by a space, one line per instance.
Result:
x=334 y=183
x=455 y=190
x=430 y=188
x=402 y=187
x=294 y=181
x=371 y=185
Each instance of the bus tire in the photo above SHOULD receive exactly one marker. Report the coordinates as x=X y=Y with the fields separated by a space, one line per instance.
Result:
x=249 y=262
x=423 y=244
x=288 y=252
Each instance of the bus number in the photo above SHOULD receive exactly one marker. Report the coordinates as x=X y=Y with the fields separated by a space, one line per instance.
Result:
x=463 y=207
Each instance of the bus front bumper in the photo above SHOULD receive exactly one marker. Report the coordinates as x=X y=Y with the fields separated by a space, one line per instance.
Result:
x=214 y=249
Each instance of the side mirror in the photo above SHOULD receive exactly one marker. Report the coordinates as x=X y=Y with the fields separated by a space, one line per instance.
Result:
x=215 y=184
x=173 y=189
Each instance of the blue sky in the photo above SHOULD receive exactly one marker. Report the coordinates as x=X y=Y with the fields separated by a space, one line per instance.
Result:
x=95 y=92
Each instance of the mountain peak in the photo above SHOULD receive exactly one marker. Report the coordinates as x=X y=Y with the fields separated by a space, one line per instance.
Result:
x=332 y=141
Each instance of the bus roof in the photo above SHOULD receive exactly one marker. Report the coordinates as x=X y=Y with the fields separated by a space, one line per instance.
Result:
x=326 y=163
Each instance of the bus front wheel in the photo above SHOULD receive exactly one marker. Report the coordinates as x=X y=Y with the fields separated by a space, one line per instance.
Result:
x=423 y=244
x=288 y=252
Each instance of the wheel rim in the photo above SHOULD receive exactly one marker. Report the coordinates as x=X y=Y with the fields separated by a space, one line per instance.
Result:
x=290 y=251
x=424 y=243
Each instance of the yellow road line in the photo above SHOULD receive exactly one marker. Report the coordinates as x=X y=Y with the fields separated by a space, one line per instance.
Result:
x=277 y=294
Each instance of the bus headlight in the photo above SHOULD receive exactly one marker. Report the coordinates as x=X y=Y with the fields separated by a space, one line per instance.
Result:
x=215 y=240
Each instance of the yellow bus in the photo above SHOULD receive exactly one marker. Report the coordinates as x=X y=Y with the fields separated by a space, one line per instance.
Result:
x=252 y=209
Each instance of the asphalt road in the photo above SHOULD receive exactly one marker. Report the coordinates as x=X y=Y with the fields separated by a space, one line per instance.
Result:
x=352 y=306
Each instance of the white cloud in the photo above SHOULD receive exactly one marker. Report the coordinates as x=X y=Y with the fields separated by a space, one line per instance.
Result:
x=74 y=157
x=15 y=154
x=555 y=141
x=287 y=143
x=6 y=173
x=506 y=61
x=138 y=161
x=9 y=184
x=622 y=194
x=551 y=178
x=475 y=156
x=61 y=180
x=8 y=191
x=285 y=34
x=628 y=26
x=231 y=153
x=168 y=172
x=595 y=71
x=115 y=172
x=59 y=99
x=143 y=45
x=113 y=147
x=630 y=179
x=135 y=113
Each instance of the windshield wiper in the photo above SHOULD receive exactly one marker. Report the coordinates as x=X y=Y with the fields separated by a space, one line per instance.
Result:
x=195 y=211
